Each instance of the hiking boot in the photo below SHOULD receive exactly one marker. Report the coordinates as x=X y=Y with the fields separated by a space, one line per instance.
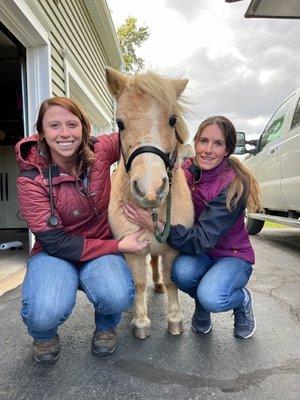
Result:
x=244 y=320
x=46 y=351
x=104 y=343
x=201 y=321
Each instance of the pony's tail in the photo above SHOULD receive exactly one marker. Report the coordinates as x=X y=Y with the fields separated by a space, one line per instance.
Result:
x=245 y=185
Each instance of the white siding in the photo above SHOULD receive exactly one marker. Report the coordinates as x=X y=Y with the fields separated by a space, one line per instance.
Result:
x=73 y=30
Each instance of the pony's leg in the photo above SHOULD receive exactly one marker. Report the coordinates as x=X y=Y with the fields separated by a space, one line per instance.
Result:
x=140 y=320
x=156 y=274
x=174 y=315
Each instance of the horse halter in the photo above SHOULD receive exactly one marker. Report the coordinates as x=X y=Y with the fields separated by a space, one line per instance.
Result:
x=169 y=162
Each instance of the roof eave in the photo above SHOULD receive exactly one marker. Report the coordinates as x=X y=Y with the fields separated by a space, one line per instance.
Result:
x=103 y=23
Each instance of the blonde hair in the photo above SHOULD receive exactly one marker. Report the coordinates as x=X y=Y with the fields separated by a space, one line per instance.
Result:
x=160 y=89
x=85 y=155
x=244 y=184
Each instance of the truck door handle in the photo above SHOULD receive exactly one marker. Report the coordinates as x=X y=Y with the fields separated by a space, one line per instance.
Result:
x=272 y=150
x=1 y=186
x=6 y=186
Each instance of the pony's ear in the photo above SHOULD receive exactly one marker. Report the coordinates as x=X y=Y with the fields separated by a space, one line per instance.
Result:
x=115 y=81
x=179 y=85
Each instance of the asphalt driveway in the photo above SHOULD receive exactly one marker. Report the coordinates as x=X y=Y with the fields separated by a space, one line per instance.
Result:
x=214 y=366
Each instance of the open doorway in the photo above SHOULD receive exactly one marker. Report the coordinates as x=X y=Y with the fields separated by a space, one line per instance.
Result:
x=12 y=128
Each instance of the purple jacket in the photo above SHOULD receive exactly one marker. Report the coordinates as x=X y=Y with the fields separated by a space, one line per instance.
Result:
x=217 y=231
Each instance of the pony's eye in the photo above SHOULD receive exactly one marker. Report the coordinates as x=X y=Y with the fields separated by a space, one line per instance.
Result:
x=173 y=120
x=120 y=124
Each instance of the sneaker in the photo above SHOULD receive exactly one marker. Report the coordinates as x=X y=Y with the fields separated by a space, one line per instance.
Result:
x=201 y=321
x=244 y=320
x=46 y=351
x=104 y=343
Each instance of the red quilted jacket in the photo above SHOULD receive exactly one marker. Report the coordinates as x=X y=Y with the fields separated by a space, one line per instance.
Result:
x=83 y=232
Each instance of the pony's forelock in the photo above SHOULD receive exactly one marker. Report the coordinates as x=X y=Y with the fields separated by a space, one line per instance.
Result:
x=162 y=90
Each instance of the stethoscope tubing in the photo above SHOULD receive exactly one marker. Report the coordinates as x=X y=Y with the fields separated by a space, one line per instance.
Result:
x=52 y=221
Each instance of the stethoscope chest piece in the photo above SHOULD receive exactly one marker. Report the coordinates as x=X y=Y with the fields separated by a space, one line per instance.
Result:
x=52 y=221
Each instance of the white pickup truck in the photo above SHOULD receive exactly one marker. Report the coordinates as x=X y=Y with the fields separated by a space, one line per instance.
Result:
x=275 y=162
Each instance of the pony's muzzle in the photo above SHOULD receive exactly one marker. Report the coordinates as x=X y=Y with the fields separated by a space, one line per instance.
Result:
x=150 y=198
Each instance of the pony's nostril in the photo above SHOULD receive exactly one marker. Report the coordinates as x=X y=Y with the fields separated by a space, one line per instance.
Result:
x=161 y=191
x=137 y=189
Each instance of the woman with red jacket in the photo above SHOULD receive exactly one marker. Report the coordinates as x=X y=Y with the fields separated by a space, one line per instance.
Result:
x=217 y=256
x=63 y=191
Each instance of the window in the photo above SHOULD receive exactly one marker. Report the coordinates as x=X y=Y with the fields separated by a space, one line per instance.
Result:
x=296 y=117
x=274 y=128
x=80 y=89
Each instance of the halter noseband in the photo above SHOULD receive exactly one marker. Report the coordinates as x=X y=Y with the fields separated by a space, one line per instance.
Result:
x=169 y=161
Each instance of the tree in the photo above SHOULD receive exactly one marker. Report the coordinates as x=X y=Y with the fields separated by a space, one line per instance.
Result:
x=131 y=37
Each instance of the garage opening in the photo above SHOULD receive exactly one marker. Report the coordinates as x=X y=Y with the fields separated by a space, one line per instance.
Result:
x=13 y=122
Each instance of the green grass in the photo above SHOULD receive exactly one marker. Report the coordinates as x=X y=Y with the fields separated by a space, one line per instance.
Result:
x=269 y=224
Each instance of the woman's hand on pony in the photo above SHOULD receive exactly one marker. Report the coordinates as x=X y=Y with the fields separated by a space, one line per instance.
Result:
x=131 y=243
x=138 y=216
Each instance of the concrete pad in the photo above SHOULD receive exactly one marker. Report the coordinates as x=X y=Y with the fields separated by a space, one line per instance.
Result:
x=11 y=281
x=13 y=262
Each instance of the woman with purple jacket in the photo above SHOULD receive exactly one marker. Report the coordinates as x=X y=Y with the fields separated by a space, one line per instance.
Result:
x=217 y=256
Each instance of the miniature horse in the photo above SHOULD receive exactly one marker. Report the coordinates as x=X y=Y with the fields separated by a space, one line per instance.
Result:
x=152 y=131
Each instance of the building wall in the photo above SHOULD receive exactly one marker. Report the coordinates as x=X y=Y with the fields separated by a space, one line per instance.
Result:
x=73 y=37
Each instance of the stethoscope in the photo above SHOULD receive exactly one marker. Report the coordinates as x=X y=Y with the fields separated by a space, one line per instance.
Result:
x=52 y=221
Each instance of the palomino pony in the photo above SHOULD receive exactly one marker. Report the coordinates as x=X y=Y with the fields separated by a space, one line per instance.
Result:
x=152 y=131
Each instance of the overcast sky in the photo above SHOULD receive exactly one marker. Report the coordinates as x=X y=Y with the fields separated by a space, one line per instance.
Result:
x=238 y=67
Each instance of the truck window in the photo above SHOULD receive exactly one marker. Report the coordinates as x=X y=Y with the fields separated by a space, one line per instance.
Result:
x=296 y=117
x=274 y=128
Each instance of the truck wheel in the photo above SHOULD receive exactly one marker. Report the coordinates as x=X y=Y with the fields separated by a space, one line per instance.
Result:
x=254 y=226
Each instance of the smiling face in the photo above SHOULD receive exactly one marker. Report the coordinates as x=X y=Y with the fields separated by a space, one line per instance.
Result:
x=210 y=147
x=62 y=131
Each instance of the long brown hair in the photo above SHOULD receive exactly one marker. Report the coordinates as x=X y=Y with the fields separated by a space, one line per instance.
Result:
x=244 y=183
x=85 y=155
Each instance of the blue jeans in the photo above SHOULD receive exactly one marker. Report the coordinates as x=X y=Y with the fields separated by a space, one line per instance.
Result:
x=217 y=284
x=50 y=287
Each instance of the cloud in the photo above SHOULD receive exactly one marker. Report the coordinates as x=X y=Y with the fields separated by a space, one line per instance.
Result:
x=248 y=79
x=188 y=9
x=243 y=68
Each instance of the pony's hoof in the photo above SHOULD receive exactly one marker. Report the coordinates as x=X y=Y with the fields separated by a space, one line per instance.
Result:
x=159 y=288
x=141 y=333
x=175 y=328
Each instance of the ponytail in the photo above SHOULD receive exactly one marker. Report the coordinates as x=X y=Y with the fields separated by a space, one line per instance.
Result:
x=244 y=185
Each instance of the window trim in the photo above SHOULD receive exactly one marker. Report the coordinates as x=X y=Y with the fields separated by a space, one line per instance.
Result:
x=77 y=87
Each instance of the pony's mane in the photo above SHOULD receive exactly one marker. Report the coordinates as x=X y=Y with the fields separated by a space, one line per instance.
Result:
x=161 y=89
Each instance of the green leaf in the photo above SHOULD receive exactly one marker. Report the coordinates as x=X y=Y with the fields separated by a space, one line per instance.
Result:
x=130 y=38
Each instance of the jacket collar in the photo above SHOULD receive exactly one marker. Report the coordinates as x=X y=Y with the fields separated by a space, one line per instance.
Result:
x=28 y=155
x=207 y=175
